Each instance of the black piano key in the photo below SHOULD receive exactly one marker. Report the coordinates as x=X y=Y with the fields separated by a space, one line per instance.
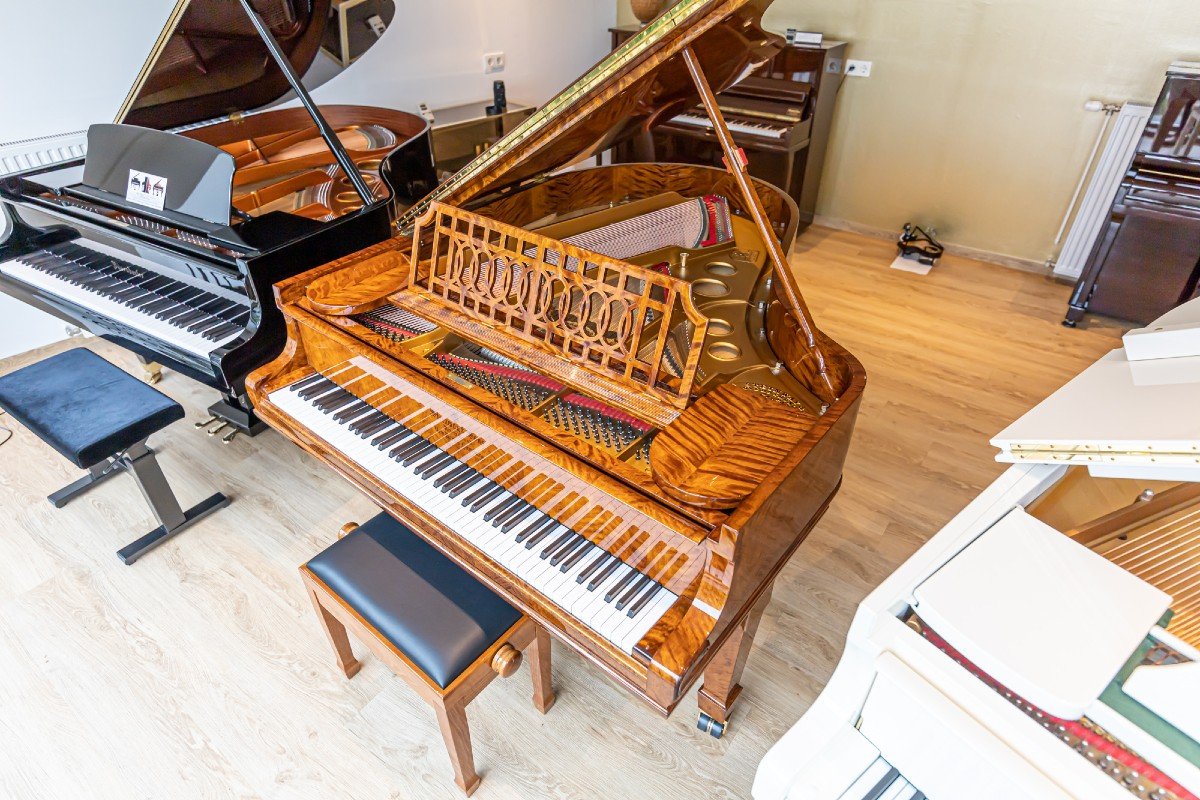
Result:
x=601 y=560
x=417 y=444
x=412 y=455
x=483 y=493
x=371 y=423
x=317 y=388
x=555 y=542
x=482 y=497
x=541 y=534
x=635 y=588
x=513 y=510
x=465 y=484
x=390 y=437
x=443 y=480
x=441 y=468
x=572 y=561
x=638 y=604
x=405 y=444
x=566 y=553
x=353 y=411
x=501 y=507
x=517 y=518
x=622 y=585
x=434 y=465
x=304 y=383
x=542 y=522
x=335 y=400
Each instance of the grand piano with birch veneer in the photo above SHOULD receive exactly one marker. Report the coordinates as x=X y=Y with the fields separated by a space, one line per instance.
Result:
x=598 y=390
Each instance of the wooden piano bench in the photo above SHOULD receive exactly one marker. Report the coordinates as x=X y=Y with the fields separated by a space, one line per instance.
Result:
x=99 y=417
x=443 y=632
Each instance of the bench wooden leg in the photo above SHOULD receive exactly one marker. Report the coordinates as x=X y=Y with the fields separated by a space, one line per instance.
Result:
x=336 y=633
x=539 y=667
x=452 y=718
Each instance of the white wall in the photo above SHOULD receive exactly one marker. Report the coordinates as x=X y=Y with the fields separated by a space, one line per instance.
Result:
x=433 y=52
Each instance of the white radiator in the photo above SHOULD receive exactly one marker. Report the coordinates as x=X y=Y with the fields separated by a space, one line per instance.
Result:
x=1093 y=211
x=41 y=152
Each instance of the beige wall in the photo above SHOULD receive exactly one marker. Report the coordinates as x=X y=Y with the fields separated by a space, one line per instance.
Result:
x=972 y=119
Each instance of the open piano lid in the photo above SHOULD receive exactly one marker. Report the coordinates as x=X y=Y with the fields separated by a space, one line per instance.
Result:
x=209 y=61
x=630 y=90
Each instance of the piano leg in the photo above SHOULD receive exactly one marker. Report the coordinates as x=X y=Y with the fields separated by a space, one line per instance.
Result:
x=151 y=370
x=721 y=688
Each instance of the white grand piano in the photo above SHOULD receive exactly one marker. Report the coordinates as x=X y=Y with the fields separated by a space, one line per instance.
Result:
x=1046 y=642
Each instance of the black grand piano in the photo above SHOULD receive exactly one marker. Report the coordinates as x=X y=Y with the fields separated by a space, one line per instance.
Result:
x=168 y=243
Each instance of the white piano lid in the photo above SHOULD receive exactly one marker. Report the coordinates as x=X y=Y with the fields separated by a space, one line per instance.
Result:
x=1116 y=411
x=1176 y=334
x=1172 y=691
x=1043 y=615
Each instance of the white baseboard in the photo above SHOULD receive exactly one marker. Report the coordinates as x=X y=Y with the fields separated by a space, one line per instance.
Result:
x=1000 y=259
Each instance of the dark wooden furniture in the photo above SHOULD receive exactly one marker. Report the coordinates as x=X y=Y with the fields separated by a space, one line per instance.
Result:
x=502 y=390
x=446 y=635
x=99 y=417
x=1146 y=259
x=780 y=115
x=295 y=202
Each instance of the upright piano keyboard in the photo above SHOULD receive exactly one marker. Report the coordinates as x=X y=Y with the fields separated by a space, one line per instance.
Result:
x=598 y=390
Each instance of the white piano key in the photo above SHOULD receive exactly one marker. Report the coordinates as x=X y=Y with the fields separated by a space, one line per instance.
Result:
x=184 y=339
x=734 y=126
x=527 y=563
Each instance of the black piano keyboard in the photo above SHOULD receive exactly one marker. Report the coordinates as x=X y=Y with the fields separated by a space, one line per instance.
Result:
x=174 y=303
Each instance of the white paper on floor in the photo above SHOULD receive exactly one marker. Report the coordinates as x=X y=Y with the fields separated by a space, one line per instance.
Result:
x=908 y=265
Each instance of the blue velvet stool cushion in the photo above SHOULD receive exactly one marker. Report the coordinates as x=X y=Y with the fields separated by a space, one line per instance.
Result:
x=419 y=600
x=84 y=407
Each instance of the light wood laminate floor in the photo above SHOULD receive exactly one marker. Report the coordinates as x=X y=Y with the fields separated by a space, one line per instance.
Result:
x=201 y=672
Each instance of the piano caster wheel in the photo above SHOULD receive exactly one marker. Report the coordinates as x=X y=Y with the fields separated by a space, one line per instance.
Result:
x=205 y=423
x=1069 y=323
x=711 y=726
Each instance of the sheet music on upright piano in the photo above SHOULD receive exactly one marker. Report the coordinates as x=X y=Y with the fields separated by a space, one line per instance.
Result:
x=598 y=390
x=188 y=290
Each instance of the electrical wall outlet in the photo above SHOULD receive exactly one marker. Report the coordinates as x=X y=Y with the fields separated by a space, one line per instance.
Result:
x=859 y=69
x=493 y=62
x=833 y=66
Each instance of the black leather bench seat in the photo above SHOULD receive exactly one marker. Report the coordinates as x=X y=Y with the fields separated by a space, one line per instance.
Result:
x=84 y=407
x=427 y=606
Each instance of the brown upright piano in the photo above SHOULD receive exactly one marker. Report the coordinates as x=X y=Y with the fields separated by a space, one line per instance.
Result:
x=599 y=390
x=780 y=115
x=1146 y=259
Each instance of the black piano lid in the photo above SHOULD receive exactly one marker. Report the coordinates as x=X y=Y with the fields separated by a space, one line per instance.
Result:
x=210 y=62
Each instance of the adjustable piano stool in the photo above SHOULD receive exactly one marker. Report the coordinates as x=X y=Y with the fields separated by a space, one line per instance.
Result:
x=443 y=632
x=99 y=417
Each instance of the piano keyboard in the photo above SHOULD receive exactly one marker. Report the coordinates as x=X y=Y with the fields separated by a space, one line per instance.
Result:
x=102 y=280
x=580 y=554
x=881 y=781
x=753 y=128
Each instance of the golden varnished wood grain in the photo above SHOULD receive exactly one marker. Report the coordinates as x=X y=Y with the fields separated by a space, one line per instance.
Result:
x=201 y=671
x=723 y=446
